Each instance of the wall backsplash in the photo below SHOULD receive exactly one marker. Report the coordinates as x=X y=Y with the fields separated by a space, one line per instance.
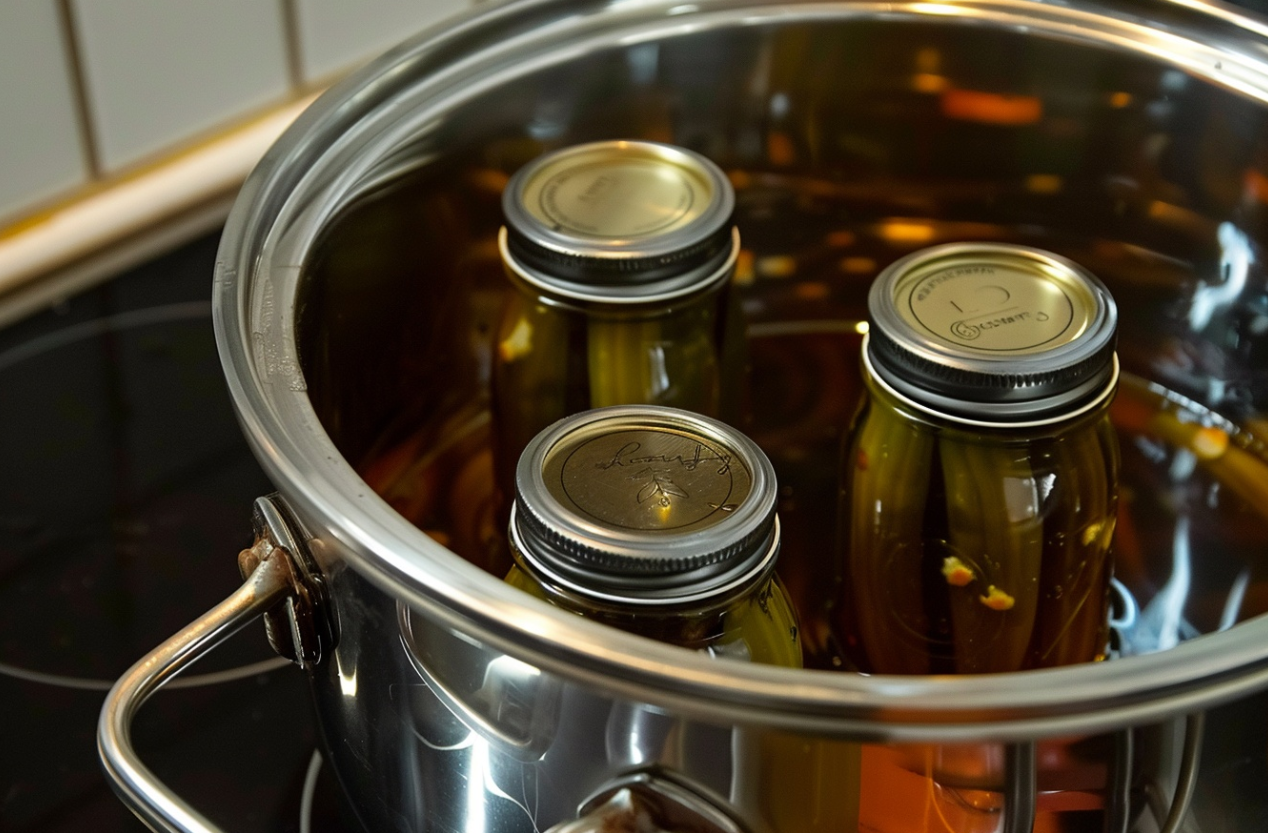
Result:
x=93 y=89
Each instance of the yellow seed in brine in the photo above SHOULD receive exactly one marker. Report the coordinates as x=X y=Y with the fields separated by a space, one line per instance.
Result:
x=997 y=599
x=518 y=343
x=957 y=572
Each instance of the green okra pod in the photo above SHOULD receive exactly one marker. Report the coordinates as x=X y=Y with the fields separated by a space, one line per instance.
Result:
x=994 y=527
x=887 y=468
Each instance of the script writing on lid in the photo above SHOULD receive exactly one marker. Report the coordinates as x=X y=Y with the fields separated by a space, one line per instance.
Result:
x=651 y=479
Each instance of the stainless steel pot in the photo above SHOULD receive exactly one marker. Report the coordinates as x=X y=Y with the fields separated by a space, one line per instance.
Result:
x=356 y=280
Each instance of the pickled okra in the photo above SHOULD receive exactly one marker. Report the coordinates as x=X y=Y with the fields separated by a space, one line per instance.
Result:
x=669 y=358
x=887 y=481
x=978 y=487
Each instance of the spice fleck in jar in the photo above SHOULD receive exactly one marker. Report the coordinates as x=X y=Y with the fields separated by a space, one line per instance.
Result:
x=978 y=485
x=620 y=254
x=659 y=522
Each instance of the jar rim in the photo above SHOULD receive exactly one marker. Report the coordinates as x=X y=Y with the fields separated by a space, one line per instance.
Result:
x=1097 y=398
x=704 y=279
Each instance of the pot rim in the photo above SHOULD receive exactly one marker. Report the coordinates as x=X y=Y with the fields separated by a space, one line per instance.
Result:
x=342 y=145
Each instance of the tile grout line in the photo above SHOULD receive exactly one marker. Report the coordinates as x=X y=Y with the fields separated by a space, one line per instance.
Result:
x=294 y=48
x=127 y=207
x=79 y=89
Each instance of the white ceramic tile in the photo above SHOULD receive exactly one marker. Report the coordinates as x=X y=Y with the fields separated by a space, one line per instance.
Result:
x=336 y=34
x=161 y=71
x=40 y=153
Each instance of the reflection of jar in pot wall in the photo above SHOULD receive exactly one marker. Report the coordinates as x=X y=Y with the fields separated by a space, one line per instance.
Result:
x=978 y=486
x=659 y=522
x=620 y=254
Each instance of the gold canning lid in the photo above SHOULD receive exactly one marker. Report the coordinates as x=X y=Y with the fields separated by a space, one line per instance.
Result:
x=618 y=192
x=645 y=503
x=992 y=331
x=628 y=216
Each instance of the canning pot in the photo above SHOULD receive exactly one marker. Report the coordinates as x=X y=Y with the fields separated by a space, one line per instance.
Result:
x=357 y=286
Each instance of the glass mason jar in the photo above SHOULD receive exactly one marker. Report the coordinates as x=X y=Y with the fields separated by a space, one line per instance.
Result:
x=662 y=523
x=659 y=522
x=978 y=485
x=621 y=255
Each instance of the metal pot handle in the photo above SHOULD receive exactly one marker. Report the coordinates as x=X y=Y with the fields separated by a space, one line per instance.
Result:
x=272 y=578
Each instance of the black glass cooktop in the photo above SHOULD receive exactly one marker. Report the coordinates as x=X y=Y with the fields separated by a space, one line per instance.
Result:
x=125 y=496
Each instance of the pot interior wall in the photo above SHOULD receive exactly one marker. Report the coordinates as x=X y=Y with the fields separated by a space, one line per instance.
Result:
x=850 y=143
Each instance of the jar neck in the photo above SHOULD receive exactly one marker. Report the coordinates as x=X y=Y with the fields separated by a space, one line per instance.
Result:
x=623 y=300
x=641 y=614
x=1082 y=413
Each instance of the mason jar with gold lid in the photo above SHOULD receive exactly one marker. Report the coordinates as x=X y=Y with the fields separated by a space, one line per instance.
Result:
x=621 y=255
x=659 y=522
x=978 y=485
